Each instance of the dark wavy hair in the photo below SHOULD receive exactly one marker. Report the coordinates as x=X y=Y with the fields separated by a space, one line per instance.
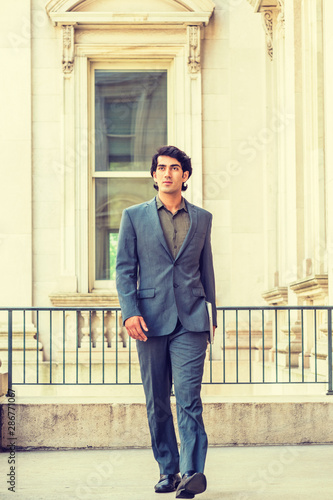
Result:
x=176 y=153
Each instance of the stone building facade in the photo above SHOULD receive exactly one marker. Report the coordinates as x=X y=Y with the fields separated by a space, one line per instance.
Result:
x=91 y=88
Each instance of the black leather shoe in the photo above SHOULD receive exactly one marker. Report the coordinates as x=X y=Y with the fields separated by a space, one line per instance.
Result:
x=191 y=484
x=167 y=483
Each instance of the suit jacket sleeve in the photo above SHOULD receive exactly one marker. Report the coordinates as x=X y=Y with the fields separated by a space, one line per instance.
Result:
x=127 y=268
x=207 y=272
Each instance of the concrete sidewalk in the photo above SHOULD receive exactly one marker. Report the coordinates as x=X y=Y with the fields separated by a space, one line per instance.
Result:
x=238 y=473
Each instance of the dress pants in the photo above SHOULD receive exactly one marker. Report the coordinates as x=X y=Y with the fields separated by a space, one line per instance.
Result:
x=179 y=356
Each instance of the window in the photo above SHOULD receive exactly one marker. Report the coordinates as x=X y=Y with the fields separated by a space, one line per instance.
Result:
x=129 y=122
x=98 y=42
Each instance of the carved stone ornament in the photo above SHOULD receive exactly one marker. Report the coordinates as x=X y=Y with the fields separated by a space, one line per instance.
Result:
x=267 y=17
x=68 y=48
x=193 y=40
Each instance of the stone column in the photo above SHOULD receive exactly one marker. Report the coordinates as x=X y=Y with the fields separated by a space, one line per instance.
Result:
x=328 y=133
x=68 y=278
x=313 y=139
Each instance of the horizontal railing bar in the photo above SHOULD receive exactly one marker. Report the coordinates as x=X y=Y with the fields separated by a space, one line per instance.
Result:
x=79 y=308
x=79 y=384
x=219 y=308
x=203 y=383
x=272 y=308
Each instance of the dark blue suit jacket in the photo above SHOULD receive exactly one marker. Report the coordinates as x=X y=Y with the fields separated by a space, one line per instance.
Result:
x=152 y=284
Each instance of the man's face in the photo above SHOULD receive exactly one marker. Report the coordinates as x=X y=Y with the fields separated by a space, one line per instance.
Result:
x=169 y=175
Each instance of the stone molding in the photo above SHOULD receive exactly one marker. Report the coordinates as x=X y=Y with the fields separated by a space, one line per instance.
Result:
x=260 y=5
x=276 y=296
x=193 y=40
x=198 y=14
x=69 y=5
x=130 y=20
x=68 y=48
x=84 y=299
x=273 y=18
x=312 y=287
x=267 y=20
x=68 y=11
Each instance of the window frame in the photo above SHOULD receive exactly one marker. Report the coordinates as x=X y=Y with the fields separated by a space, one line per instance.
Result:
x=185 y=132
x=172 y=35
x=117 y=65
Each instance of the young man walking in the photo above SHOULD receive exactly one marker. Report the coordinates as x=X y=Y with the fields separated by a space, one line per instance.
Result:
x=164 y=278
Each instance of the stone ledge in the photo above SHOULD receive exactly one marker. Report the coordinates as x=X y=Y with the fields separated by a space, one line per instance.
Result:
x=277 y=296
x=311 y=287
x=124 y=425
x=69 y=299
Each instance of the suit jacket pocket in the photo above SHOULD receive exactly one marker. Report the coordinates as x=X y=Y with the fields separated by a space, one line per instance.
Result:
x=146 y=293
x=198 y=291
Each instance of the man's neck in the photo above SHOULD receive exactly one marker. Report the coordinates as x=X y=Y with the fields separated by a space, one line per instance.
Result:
x=171 y=202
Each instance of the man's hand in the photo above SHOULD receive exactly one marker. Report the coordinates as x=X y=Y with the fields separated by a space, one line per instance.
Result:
x=135 y=326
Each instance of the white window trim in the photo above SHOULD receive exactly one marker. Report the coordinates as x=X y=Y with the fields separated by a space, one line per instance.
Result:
x=184 y=59
x=184 y=131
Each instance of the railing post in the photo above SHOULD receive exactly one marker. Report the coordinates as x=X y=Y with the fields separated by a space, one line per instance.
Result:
x=10 y=352
x=329 y=356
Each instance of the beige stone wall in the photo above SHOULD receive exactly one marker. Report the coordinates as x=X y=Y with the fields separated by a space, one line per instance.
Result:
x=237 y=154
x=15 y=155
x=47 y=138
x=233 y=116
x=259 y=138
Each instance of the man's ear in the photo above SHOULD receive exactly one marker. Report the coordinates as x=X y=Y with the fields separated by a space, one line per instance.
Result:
x=185 y=175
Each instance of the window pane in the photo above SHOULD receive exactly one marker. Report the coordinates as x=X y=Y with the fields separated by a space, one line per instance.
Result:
x=130 y=118
x=112 y=196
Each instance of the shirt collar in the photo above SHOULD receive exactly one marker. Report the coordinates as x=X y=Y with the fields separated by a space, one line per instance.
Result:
x=160 y=204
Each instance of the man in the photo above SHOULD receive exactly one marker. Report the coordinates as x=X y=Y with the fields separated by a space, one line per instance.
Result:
x=164 y=276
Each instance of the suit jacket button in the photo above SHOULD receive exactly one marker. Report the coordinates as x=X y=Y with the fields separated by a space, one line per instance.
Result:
x=175 y=285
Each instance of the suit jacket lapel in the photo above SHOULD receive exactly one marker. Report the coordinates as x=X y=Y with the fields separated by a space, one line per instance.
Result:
x=193 y=213
x=156 y=225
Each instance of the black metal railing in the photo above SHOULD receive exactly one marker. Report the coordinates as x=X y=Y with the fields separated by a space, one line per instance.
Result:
x=88 y=346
